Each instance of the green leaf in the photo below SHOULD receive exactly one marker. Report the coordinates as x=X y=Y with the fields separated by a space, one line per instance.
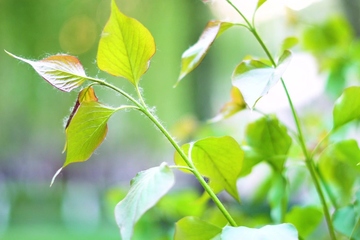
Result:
x=254 y=78
x=338 y=165
x=347 y=107
x=346 y=221
x=147 y=188
x=270 y=139
x=86 y=128
x=269 y=232
x=64 y=72
x=125 y=47
x=193 y=56
x=236 y=104
x=305 y=219
x=288 y=43
x=193 y=228
x=278 y=197
x=251 y=158
x=260 y=3
x=218 y=159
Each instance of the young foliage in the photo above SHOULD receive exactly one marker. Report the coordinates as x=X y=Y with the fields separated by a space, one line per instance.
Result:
x=270 y=139
x=125 y=47
x=147 y=188
x=254 y=78
x=193 y=228
x=193 y=56
x=64 y=72
x=347 y=107
x=218 y=159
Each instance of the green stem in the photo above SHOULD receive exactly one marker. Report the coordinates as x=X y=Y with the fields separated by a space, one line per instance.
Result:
x=308 y=158
x=142 y=107
x=192 y=166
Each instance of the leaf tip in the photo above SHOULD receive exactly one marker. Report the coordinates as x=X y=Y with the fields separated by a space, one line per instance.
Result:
x=55 y=175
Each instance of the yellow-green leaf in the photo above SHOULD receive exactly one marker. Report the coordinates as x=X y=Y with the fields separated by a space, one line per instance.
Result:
x=193 y=56
x=218 y=159
x=347 y=107
x=236 y=104
x=125 y=47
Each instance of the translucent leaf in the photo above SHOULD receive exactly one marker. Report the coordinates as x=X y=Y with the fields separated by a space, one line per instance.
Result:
x=64 y=72
x=269 y=232
x=236 y=104
x=260 y=3
x=347 y=107
x=288 y=43
x=338 y=165
x=270 y=139
x=193 y=228
x=305 y=219
x=125 y=47
x=193 y=56
x=86 y=127
x=146 y=190
x=218 y=159
x=254 y=79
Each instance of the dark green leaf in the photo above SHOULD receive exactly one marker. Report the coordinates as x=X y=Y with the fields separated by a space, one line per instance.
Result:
x=269 y=232
x=254 y=79
x=347 y=107
x=193 y=228
x=147 y=188
x=125 y=47
x=251 y=158
x=64 y=72
x=218 y=159
x=193 y=56
x=270 y=139
x=305 y=219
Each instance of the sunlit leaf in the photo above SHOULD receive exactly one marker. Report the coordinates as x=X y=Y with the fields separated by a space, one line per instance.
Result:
x=260 y=3
x=218 y=159
x=235 y=105
x=288 y=43
x=87 y=127
x=305 y=219
x=125 y=47
x=64 y=72
x=193 y=56
x=269 y=232
x=254 y=79
x=347 y=107
x=270 y=139
x=147 y=188
x=193 y=228
x=338 y=165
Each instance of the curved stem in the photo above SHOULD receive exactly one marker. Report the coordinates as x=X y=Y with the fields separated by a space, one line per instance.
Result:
x=143 y=108
x=196 y=173
x=308 y=157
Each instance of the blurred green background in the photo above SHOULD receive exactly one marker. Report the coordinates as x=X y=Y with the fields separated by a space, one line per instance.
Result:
x=32 y=113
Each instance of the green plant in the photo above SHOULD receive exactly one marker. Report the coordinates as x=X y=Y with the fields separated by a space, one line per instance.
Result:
x=125 y=50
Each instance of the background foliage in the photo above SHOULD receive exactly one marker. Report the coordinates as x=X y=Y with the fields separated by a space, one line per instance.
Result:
x=31 y=136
